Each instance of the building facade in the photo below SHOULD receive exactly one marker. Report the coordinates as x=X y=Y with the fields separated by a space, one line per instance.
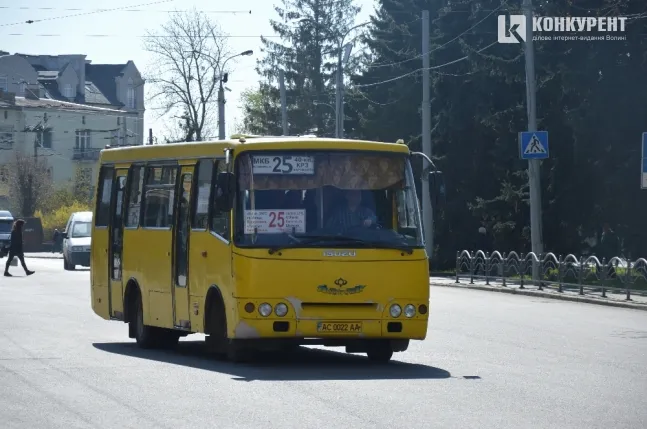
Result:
x=64 y=109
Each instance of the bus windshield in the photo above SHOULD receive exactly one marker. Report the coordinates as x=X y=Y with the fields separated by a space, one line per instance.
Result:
x=326 y=199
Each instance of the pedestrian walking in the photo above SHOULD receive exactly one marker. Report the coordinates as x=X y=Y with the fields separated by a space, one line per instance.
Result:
x=15 y=248
x=55 y=240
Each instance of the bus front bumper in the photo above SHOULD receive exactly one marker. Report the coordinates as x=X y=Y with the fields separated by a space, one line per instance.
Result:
x=346 y=330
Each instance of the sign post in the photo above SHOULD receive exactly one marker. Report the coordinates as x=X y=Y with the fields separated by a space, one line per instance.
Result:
x=643 y=178
x=533 y=147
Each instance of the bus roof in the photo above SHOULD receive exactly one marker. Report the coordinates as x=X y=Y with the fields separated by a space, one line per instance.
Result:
x=217 y=148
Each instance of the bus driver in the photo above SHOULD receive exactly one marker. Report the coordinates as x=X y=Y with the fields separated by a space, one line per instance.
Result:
x=352 y=214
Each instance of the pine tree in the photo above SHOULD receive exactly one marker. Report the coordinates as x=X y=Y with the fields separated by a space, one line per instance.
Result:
x=309 y=31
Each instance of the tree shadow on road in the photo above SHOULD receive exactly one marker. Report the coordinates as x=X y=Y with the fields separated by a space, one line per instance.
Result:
x=299 y=365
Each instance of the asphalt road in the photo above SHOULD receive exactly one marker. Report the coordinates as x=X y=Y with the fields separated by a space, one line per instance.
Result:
x=491 y=361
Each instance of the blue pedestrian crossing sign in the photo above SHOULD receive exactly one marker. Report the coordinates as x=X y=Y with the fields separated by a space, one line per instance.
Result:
x=533 y=144
x=643 y=173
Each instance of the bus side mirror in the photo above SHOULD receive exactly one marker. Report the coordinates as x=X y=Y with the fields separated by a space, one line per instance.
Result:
x=64 y=234
x=226 y=189
x=437 y=188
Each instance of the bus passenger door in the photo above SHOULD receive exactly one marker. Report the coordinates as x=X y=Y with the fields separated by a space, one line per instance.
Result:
x=181 y=317
x=100 y=243
x=116 y=244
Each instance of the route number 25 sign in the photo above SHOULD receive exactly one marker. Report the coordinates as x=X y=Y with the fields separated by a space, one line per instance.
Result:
x=275 y=221
x=283 y=164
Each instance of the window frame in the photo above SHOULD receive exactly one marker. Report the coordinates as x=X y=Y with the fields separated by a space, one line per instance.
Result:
x=195 y=191
x=68 y=90
x=131 y=169
x=85 y=136
x=99 y=198
x=214 y=176
x=148 y=169
x=131 y=98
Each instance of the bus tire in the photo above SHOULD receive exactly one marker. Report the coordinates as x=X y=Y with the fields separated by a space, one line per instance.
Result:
x=380 y=353
x=167 y=338
x=144 y=335
x=216 y=340
x=237 y=352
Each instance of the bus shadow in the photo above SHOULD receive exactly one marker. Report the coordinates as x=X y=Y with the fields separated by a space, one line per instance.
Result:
x=300 y=365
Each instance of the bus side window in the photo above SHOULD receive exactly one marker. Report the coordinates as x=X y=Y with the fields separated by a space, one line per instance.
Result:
x=102 y=215
x=135 y=196
x=159 y=197
x=203 y=193
x=219 y=222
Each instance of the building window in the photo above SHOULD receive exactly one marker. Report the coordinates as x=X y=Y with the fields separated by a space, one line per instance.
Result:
x=6 y=137
x=4 y=83
x=115 y=138
x=44 y=139
x=68 y=91
x=82 y=140
x=130 y=102
x=22 y=88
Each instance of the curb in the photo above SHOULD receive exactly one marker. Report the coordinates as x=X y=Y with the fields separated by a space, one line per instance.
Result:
x=43 y=257
x=587 y=300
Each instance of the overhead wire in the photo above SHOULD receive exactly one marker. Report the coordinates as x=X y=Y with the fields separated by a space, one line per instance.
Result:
x=129 y=9
x=32 y=21
x=224 y=36
x=395 y=63
x=421 y=69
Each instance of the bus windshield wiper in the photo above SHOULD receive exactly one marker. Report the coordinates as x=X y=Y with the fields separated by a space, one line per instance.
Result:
x=312 y=239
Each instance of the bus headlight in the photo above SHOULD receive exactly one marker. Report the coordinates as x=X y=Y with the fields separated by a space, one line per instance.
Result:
x=395 y=310
x=281 y=309
x=409 y=311
x=265 y=309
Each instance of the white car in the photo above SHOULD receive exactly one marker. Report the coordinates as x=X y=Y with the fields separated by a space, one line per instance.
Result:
x=76 y=240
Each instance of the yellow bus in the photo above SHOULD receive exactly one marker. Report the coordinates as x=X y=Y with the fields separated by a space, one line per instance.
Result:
x=262 y=243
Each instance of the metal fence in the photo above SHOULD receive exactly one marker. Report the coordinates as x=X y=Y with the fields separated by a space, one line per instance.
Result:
x=584 y=274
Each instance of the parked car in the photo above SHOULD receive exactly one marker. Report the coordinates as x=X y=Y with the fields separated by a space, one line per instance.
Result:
x=77 y=241
x=6 y=222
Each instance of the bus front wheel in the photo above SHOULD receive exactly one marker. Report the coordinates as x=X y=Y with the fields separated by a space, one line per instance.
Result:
x=143 y=334
x=380 y=353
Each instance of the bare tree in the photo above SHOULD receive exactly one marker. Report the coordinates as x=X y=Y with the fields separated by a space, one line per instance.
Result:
x=30 y=183
x=189 y=51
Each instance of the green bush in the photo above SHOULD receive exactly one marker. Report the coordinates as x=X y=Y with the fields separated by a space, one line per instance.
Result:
x=57 y=219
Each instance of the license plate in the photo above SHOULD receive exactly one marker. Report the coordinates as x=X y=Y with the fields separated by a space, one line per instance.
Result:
x=340 y=327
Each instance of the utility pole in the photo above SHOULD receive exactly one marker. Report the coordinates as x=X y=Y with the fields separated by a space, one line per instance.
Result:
x=338 y=97
x=427 y=209
x=534 y=177
x=221 y=111
x=284 y=107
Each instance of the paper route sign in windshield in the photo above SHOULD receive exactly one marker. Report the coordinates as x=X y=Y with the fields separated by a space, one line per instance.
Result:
x=283 y=164
x=275 y=221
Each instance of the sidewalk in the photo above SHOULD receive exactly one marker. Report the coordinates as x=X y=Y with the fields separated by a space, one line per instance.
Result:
x=614 y=299
x=44 y=255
